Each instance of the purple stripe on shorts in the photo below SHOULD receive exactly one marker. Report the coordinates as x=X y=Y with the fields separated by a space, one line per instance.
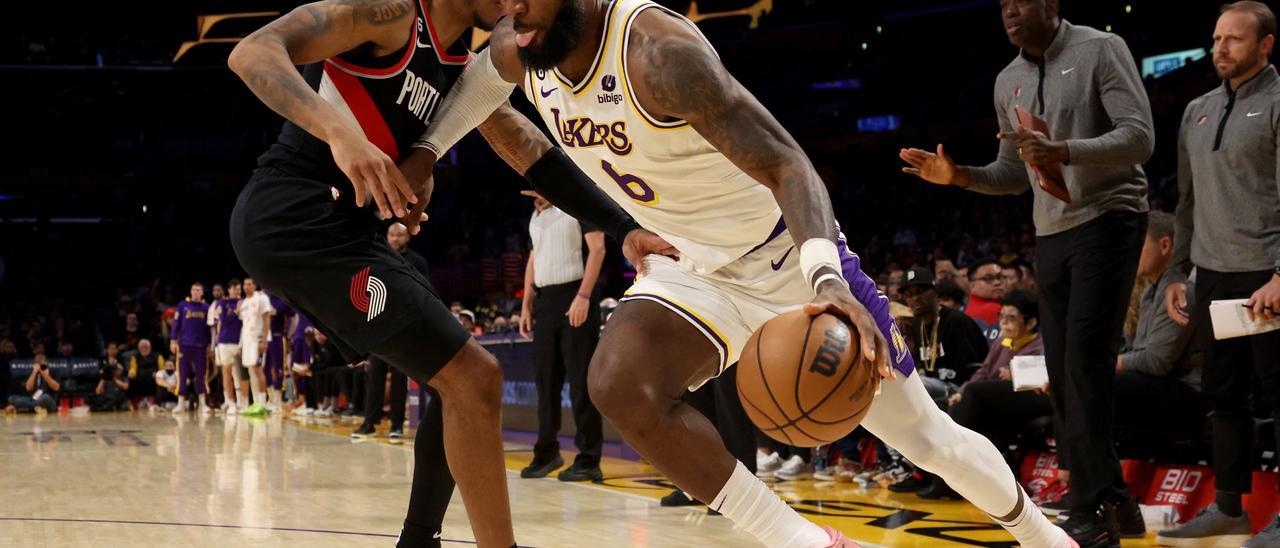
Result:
x=777 y=231
x=864 y=289
x=688 y=315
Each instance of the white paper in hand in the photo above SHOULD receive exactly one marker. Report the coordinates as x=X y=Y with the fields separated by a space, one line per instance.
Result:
x=1231 y=319
x=1028 y=372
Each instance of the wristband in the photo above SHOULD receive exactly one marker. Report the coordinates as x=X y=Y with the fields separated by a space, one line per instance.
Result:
x=828 y=276
x=815 y=254
x=585 y=297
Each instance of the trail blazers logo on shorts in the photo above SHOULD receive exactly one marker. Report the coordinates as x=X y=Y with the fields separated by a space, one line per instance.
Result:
x=368 y=294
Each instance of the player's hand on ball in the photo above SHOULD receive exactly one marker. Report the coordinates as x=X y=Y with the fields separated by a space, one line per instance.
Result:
x=372 y=174
x=938 y=168
x=835 y=298
x=640 y=243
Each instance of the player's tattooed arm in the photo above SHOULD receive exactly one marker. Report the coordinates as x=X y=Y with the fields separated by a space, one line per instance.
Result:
x=678 y=76
x=265 y=59
x=514 y=138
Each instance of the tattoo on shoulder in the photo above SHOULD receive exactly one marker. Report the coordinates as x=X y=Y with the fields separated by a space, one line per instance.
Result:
x=684 y=78
x=382 y=12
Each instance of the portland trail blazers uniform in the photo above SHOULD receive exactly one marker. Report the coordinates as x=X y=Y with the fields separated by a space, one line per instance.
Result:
x=298 y=233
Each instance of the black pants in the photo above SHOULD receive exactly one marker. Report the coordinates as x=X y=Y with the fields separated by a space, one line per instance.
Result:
x=993 y=409
x=351 y=382
x=718 y=401
x=113 y=401
x=373 y=394
x=1228 y=380
x=1157 y=407
x=1085 y=276
x=562 y=352
x=321 y=386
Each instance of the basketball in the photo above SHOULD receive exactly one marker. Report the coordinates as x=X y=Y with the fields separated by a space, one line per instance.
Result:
x=803 y=381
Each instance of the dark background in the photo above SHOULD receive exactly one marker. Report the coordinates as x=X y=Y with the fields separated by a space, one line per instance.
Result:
x=121 y=166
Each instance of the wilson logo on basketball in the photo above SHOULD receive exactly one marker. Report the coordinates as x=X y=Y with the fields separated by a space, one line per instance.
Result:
x=827 y=360
x=368 y=294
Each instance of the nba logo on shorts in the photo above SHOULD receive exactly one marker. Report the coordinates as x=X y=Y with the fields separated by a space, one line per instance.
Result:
x=368 y=294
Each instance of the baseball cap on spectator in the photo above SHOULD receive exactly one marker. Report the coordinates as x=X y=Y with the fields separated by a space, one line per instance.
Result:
x=918 y=277
x=469 y=314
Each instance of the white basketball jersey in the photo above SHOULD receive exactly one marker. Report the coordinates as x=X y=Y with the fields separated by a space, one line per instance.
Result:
x=670 y=179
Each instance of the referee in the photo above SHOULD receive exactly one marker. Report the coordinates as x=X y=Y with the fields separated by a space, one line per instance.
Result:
x=564 y=336
x=1084 y=84
x=1228 y=229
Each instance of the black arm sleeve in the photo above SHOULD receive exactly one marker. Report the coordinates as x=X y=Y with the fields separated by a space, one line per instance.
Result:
x=558 y=180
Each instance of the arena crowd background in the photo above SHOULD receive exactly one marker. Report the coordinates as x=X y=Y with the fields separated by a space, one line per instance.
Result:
x=121 y=165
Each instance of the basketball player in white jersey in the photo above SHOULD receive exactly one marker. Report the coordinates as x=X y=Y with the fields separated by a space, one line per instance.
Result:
x=640 y=102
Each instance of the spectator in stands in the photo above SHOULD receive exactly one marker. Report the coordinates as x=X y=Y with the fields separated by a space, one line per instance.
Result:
x=66 y=350
x=41 y=390
x=166 y=386
x=944 y=270
x=1011 y=275
x=216 y=292
x=1158 y=371
x=142 y=371
x=132 y=332
x=951 y=295
x=946 y=341
x=986 y=288
x=1228 y=229
x=113 y=384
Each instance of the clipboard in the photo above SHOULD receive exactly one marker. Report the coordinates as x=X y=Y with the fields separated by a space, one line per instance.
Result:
x=1049 y=177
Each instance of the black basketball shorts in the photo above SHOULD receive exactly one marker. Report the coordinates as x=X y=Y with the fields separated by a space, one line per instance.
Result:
x=304 y=241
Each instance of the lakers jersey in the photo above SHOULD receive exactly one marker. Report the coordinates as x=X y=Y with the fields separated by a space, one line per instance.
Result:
x=670 y=179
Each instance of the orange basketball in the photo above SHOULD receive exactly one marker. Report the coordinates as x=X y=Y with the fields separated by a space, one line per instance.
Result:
x=803 y=381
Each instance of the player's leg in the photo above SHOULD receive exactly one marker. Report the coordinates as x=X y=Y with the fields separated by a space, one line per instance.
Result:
x=200 y=370
x=908 y=420
x=643 y=401
x=470 y=389
x=184 y=376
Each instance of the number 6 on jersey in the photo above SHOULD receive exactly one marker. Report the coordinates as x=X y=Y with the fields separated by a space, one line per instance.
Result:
x=635 y=187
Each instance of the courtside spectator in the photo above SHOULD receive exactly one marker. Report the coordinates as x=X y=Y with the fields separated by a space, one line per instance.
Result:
x=113 y=384
x=1158 y=371
x=142 y=370
x=986 y=288
x=40 y=390
x=166 y=386
x=951 y=295
x=946 y=341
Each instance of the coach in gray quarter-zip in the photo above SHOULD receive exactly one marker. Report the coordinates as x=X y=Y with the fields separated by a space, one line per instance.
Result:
x=1084 y=84
x=1228 y=230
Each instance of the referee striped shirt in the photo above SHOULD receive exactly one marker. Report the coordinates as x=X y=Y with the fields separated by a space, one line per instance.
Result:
x=557 y=247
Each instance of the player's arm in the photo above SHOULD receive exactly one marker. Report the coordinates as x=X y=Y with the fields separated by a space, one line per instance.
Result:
x=475 y=100
x=312 y=33
x=677 y=75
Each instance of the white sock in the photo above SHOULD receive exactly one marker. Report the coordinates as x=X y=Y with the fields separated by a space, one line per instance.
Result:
x=260 y=398
x=752 y=506
x=1030 y=526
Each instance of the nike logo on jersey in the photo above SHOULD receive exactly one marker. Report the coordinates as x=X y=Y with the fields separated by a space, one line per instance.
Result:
x=1252 y=114
x=1068 y=71
x=547 y=92
x=422 y=29
x=777 y=265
